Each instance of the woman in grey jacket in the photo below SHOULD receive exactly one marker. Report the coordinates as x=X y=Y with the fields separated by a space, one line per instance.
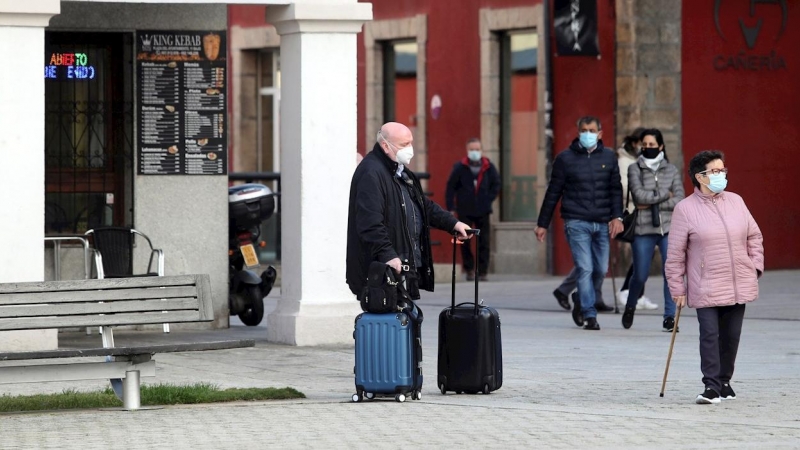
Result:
x=656 y=188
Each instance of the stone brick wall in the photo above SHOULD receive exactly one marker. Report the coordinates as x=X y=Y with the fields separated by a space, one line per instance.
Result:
x=649 y=70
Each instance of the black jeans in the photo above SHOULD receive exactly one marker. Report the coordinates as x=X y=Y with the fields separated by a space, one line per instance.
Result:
x=467 y=258
x=720 y=329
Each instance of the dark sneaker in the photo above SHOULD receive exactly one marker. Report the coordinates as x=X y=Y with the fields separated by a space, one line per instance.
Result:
x=577 y=314
x=727 y=392
x=708 y=397
x=627 y=317
x=669 y=324
x=563 y=300
x=600 y=306
x=591 y=324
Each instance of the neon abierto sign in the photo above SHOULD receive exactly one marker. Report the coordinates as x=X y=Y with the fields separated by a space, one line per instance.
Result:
x=66 y=66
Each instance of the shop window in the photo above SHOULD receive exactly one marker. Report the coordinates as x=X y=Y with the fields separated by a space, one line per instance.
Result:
x=88 y=131
x=519 y=127
x=400 y=82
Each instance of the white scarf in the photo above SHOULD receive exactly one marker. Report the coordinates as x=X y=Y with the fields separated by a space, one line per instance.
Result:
x=653 y=163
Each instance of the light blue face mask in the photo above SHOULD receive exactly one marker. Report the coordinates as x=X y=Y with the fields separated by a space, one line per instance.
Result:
x=474 y=155
x=717 y=182
x=588 y=139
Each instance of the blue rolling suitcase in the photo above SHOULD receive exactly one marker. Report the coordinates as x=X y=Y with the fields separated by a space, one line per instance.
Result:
x=388 y=355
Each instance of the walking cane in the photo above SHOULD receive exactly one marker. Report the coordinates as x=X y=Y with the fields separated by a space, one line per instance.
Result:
x=669 y=355
x=614 y=251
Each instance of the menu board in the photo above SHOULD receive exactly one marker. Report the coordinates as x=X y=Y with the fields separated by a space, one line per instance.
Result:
x=182 y=102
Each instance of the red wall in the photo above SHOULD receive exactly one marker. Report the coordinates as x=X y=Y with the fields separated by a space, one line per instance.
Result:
x=749 y=114
x=247 y=16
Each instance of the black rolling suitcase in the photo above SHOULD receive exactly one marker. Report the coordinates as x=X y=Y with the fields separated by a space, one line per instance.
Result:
x=470 y=349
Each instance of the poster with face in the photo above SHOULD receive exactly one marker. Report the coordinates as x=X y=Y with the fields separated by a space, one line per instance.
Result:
x=575 y=27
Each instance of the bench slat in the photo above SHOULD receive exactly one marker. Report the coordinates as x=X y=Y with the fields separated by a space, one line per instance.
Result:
x=71 y=309
x=127 y=351
x=95 y=295
x=108 y=283
x=34 y=323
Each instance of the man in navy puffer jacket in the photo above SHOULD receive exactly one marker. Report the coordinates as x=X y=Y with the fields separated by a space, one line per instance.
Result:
x=586 y=179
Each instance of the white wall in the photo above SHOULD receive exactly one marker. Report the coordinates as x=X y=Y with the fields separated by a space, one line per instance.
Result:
x=22 y=152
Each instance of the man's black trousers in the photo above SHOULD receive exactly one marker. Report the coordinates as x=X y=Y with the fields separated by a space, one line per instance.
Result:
x=467 y=257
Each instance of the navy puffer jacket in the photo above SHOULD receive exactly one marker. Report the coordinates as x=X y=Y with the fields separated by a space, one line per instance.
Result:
x=588 y=185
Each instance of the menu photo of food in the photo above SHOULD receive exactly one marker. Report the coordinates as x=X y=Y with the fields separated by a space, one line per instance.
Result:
x=211 y=43
x=172 y=150
x=212 y=156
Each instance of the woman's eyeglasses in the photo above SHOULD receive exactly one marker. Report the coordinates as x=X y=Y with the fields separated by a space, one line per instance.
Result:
x=715 y=171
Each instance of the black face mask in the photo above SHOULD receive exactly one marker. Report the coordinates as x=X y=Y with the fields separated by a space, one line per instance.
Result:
x=650 y=153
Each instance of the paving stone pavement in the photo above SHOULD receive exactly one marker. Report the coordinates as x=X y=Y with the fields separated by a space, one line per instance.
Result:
x=563 y=387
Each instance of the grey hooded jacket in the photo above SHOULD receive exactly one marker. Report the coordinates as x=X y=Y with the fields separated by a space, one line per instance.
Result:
x=650 y=187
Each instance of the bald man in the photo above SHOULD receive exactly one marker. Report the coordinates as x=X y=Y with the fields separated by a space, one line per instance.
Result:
x=389 y=216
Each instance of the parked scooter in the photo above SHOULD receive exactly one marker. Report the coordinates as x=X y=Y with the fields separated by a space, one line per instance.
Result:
x=249 y=205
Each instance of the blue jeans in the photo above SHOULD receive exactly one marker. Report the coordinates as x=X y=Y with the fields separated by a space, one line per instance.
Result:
x=589 y=243
x=644 y=246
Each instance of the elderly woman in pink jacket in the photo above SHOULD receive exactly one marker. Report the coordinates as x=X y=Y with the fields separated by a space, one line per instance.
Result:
x=716 y=244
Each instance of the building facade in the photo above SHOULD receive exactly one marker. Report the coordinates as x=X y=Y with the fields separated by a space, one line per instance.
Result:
x=709 y=74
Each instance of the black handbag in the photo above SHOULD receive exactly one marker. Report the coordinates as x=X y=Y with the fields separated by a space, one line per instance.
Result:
x=628 y=232
x=383 y=289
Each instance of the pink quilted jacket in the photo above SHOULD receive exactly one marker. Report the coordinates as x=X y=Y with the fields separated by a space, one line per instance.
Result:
x=717 y=244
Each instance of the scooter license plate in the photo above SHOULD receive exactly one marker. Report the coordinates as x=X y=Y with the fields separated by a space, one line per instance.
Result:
x=249 y=253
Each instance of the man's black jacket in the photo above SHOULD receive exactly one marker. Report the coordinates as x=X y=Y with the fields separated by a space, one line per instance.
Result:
x=377 y=229
x=463 y=196
x=588 y=185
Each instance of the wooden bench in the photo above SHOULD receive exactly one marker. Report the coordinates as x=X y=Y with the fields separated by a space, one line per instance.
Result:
x=104 y=303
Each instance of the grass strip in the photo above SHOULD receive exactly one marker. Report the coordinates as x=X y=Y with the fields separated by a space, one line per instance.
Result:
x=151 y=395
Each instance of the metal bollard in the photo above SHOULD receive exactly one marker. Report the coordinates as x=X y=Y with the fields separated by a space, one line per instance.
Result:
x=130 y=391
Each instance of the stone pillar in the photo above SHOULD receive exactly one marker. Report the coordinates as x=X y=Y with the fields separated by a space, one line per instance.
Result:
x=318 y=146
x=649 y=70
x=22 y=147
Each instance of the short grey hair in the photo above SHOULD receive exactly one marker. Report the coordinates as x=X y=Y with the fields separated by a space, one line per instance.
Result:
x=586 y=120
x=473 y=140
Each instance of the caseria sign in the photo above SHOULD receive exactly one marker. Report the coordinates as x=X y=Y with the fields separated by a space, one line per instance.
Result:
x=745 y=59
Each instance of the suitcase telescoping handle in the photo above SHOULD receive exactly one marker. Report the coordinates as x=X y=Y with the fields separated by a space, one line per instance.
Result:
x=477 y=233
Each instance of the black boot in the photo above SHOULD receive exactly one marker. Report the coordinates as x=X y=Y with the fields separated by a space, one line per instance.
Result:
x=627 y=317
x=591 y=324
x=577 y=314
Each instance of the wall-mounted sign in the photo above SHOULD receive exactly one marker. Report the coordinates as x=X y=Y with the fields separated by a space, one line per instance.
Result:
x=436 y=106
x=745 y=59
x=69 y=66
x=182 y=100
x=575 y=27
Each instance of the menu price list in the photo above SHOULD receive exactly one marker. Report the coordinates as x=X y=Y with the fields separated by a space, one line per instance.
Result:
x=182 y=103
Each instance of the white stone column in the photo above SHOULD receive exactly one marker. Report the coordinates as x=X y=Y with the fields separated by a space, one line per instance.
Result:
x=22 y=148
x=318 y=147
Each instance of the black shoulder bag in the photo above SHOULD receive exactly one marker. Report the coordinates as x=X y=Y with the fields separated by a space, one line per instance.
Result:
x=383 y=289
x=628 y=222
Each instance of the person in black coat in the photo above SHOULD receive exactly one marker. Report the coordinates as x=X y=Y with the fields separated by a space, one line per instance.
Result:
x=472 y=187
x=586 y=179
x=389 y=216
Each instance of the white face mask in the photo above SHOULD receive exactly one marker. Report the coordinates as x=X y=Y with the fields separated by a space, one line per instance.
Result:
x=405 y=154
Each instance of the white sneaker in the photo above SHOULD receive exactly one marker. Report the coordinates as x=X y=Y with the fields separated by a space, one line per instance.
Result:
x=645 y=303
x=622 y=298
